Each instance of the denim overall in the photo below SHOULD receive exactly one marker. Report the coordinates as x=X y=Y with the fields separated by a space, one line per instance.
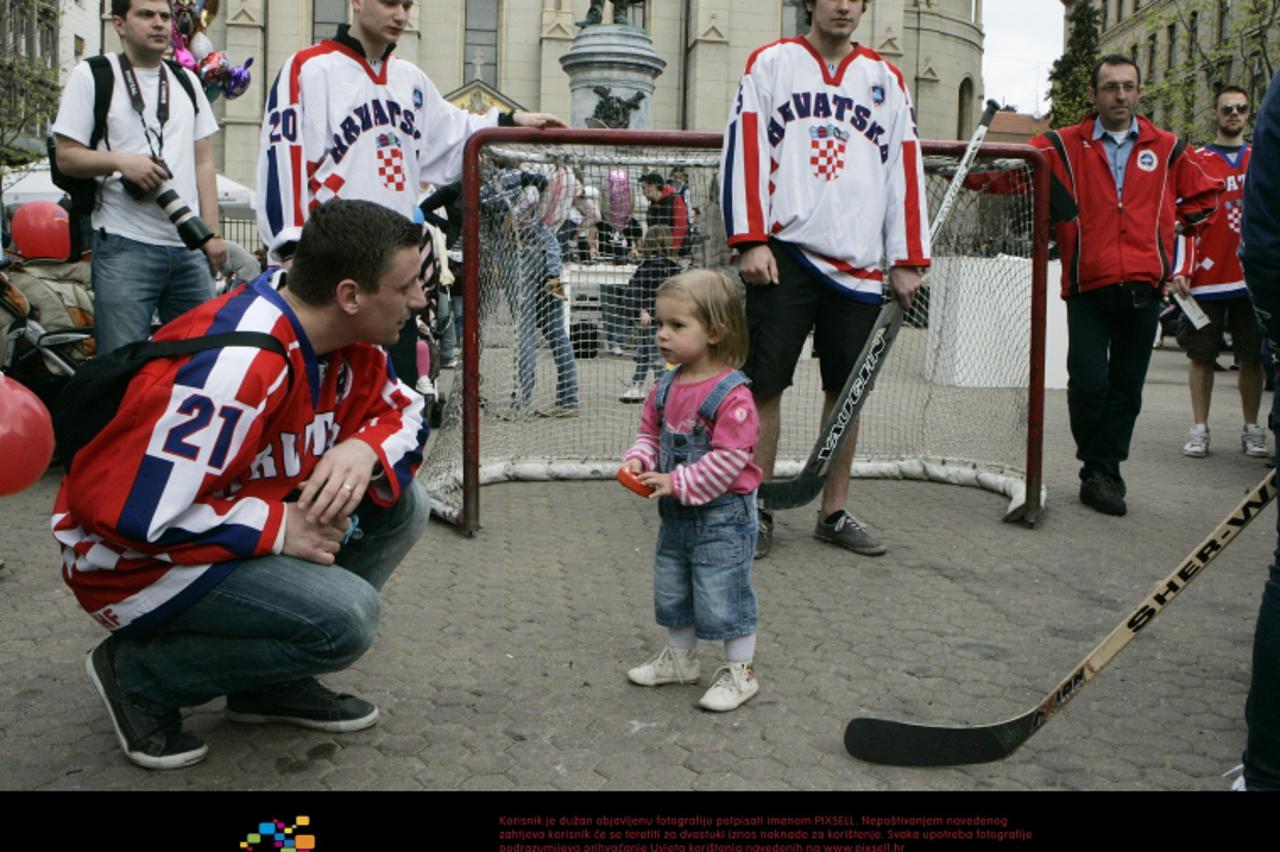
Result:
x=702 y=566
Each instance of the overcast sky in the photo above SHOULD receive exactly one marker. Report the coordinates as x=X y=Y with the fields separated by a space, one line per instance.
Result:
x=1023 y=38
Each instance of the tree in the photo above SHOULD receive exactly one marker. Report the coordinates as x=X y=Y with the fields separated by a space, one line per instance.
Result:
x=29 y=90
x=1220 y=43
x=1072 y=73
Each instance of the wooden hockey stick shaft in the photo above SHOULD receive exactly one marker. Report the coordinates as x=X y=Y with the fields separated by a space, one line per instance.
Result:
x=908 y=744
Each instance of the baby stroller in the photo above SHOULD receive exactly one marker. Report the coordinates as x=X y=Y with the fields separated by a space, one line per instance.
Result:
x=46 y=308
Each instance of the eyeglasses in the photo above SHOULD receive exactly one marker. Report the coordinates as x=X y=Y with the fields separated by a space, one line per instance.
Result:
x=1114 y=87
x=1228 y=109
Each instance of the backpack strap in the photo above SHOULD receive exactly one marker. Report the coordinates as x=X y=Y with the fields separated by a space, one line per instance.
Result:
x=171 y=348
x=104 y=80
x=664 y=386
x=185 y=79
x=711 y=404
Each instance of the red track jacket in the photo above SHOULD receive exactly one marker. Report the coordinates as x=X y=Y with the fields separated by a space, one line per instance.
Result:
x=1102 y=241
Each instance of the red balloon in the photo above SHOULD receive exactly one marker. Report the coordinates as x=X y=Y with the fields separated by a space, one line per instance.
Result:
x=26 y=437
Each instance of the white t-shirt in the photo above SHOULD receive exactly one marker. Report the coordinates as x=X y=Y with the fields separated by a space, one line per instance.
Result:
x=117 y=212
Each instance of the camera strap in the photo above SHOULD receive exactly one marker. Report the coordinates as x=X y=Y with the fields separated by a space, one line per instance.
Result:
x=155 y=138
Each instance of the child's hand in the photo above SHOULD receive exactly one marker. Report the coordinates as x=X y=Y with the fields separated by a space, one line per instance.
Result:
x=659 y=482
x=646 y=319
x=634 y=465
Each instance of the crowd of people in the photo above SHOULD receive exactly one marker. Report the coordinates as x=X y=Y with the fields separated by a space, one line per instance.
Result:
x=238 y=470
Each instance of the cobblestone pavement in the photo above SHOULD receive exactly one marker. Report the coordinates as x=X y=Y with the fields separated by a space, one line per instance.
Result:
x=500 y=659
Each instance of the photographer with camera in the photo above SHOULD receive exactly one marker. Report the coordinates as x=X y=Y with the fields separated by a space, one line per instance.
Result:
x=154 y=160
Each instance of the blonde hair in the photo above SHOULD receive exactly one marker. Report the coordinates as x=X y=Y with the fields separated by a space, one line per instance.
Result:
x=658 y=240
x=720 y=299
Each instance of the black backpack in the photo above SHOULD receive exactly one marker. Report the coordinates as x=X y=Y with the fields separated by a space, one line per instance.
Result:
x=91 y=398
x=84 y=191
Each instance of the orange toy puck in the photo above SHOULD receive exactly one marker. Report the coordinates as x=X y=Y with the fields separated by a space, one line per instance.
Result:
x=630 y=481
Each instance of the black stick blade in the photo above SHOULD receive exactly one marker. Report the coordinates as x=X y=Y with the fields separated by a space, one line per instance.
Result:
x=904 y=744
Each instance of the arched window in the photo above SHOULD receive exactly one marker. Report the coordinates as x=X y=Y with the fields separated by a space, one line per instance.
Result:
x=964 y=118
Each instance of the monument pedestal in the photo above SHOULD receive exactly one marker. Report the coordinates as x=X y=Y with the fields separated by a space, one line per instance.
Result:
x=618 y=58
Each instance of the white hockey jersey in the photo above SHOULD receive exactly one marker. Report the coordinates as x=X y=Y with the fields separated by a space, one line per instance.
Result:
x=828 y=162
x=338 y=126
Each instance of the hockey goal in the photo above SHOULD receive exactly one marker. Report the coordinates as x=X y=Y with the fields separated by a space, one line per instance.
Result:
x=959 y=400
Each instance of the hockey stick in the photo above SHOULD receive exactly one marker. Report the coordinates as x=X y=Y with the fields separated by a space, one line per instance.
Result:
x=907 y=744
x=803 y=487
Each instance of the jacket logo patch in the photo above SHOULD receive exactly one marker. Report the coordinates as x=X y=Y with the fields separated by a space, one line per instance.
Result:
x=1147 y=160
x=877 y=95
x=417 y=99
x=827 y=145
x=391 y=162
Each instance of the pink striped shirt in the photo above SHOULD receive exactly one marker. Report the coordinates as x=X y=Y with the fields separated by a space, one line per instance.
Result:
x=728 y=466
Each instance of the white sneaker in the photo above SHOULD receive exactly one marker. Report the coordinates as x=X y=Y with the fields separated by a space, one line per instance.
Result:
x=1197 y=445
x=425 y=386
x=733 y=686
x=1253 y=440
x=672 y=665
x=633 y=394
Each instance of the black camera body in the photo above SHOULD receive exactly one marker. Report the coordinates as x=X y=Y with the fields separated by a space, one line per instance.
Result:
x=191 y=227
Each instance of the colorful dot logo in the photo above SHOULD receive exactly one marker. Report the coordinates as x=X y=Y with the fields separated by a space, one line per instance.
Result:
x=273 y=835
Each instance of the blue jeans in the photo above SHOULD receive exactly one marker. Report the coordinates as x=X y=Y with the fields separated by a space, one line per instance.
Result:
x=450 y=317
x=614 y=311
x=274 y=619
x=1262 y=710
x=1108 y=351
x=702 y=567
x=647 y=355
x=537 y=311
x=132 y=280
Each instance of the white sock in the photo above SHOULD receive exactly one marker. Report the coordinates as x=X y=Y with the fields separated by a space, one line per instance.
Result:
x=740 y=650
x=683 y=638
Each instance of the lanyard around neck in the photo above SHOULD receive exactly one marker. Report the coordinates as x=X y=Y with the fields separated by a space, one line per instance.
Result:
x=155 y=139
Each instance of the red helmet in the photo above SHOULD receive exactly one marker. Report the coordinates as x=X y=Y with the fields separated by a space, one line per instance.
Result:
x=42 y=231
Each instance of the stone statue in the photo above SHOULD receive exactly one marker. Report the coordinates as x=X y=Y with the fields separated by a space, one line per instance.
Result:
x=613 y=111
x=595 y=15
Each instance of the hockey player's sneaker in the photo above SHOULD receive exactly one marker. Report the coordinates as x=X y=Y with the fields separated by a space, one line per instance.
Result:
x=304 y=703
x=425 y=387
x=733 y=686
x=672 y=665
x=152 y=742
x=1197 y=445
x=1253 y=440
x=847 y=531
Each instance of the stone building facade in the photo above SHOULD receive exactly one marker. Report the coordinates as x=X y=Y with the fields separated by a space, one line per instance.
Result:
x=1185 y=50
x=513 y=47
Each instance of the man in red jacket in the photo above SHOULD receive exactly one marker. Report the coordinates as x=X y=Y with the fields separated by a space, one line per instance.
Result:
x=1122 y=190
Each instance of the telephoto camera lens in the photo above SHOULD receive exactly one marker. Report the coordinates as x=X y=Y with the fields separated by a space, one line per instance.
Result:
x=191 y=228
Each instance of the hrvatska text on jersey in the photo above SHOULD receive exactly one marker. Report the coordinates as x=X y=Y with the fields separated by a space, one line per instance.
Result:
x=375 y=113
x=827 y=106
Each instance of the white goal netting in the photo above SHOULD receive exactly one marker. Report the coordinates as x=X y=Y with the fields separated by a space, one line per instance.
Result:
x=953 y=402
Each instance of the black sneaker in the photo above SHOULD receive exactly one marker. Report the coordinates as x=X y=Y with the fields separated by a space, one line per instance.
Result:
x=1103 y=493
x=304 y=703
x=764 y=534
x=847 y=531
x=149 y=741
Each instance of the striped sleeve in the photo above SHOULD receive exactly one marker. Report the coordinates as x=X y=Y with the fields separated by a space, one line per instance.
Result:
x=906 y=220
x=645 y=448
x=395 y=430
x=744 y=167
x=1184 y=255
x=708 y=477
x=292 y=147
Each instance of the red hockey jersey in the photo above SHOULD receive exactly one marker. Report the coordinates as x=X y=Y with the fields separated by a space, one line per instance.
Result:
x=192 y=474
x=1218 y=274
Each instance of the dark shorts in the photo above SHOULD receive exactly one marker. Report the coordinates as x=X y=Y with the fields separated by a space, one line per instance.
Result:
x=1237 y=316
x=780 y=317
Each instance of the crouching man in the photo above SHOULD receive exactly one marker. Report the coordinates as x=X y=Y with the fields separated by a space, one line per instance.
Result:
x=234 y=522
